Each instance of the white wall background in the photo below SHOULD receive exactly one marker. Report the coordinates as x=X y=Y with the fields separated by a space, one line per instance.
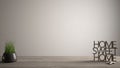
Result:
x=58 y=27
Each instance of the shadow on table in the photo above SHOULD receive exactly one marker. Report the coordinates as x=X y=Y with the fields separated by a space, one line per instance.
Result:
x=1 y=62
x=87 y=61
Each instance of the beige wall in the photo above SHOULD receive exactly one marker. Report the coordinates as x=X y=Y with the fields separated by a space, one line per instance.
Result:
x=58 y=27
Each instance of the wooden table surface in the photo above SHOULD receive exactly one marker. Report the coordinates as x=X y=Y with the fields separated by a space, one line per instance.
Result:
x=58 y=62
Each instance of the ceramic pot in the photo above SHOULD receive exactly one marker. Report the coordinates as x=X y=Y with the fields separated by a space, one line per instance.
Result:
x=7 y=58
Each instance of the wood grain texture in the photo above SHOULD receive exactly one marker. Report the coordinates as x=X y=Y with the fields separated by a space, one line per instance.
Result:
x=58 y=62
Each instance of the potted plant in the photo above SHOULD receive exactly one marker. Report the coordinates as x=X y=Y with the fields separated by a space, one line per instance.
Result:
x=9 y=55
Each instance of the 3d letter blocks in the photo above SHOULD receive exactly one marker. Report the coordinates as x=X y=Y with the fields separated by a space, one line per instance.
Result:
x=104 y=51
